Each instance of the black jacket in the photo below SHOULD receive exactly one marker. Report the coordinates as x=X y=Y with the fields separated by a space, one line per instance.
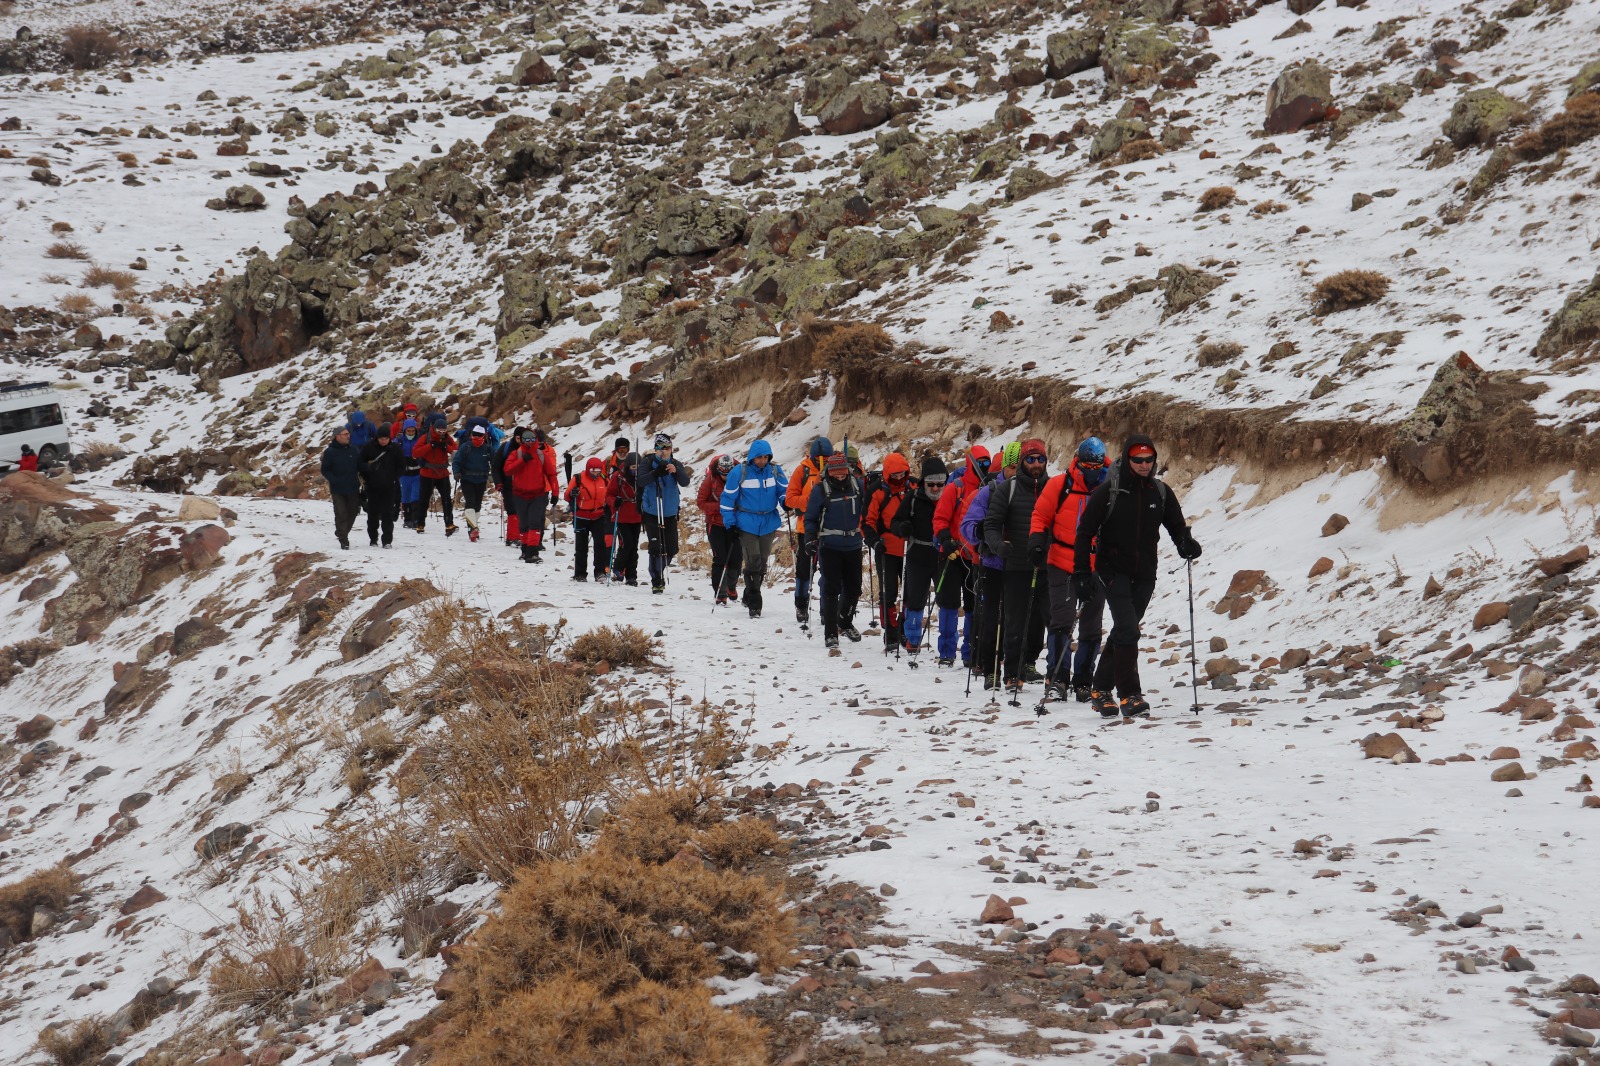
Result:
x=380 y=469
x=913 y=520
x=1125 y=543
x=1009 y=519
x=339 y=466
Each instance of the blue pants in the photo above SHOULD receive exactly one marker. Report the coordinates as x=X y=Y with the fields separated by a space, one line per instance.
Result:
x=410 y=488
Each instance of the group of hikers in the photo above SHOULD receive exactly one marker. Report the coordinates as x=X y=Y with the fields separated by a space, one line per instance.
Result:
x=1010 y=557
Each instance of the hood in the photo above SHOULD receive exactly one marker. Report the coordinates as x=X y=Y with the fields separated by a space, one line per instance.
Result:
x=760 y=448
x=895 y=465
x=595 y=467
x=410 y=423
x=357 y=419
x=1129 y=444
x=820 y=449
x=408 y=408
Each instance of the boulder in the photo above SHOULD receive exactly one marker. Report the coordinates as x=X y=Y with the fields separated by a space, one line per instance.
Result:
x=532 y=69
x=766 y=121
x=38 y=515
x=1391 y=746
x=34 y=729
x=147 y=896
x=239 y=198
x=996 y=911
x=1183 y=286
x=1135 y=51
x=1511 y=771
x=859 y=106
x=1294 y=658
x=690 y=224
x=195 y=634
x=371 y=982
x=830 y=18
x=1424 y=446
x=528 y=300
x=1481 y=117
x=1586 y=80
x=199 y=509
x=378 y=624
x=1116 y=133
x=1576 y=326
x=1561 y=564
x=1300 y=96
x=1320 y=567
x=222 y=839
x=1072 y=52
x=1491 y=614
x=1335 y=524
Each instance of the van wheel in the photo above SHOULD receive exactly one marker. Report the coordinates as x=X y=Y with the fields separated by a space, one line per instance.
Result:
x=48 y=454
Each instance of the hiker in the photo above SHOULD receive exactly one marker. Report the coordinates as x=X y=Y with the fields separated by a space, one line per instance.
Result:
x=433 y=455
x=341 y=467
x=619 y=455
x=410 y=436
x=381 y=461
x=795 y=500
x=531 y=469
x=397 y=428
x=28 y=460
x=591 y=518
x=752 y=505
x=956 y=595
x=1116 y=536
x=833 y=532
x=474 y=466
x=1052 y=543
x=1007 y=523
x=884 y=497
x=502 y=485
x=361 y=430
x=622 y=493
x=724 y=543
x=925 y=567
x=660 y=478
x=989 y=573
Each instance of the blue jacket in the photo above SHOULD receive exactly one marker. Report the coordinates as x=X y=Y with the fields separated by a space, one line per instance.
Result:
x=833 y=519
x=972 y=524
x=752 y=499
x=473 y=463
x=655 y=484
x=361 y=431
x=492 y=430
x=341 y=465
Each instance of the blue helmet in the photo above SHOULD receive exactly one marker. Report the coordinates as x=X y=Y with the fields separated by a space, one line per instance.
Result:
x=1092 y=461
x=821 y=448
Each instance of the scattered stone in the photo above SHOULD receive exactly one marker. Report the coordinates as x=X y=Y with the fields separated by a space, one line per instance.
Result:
x=996 y=911
x=34 y=729
x=1481 y=117
x=1511 y=771
x=199 y=509
x=1391 y=746
x=222 y=839
x=1320 y=567
x=147 y=896
x=532 y=69
x=1301 y=96
x=239 y=198
x=1335 y=523
x=1562 y=564
x=1491 y=614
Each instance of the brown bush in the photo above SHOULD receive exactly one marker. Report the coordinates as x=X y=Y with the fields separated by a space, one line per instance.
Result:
x=1134 y=152
x=617 y=645
x=1349 y=288
x=24 y=653
x=89 y=47
x=1579 y=121
x=98 y=276
x=85 y=1041
x=568 y=1020
x=67 y=250
x=52 y=887
x=60 y=227
x=1217 y=197
x=1269 y=207
x=1215 y=353
x=845 y=342
x=268 y=956
x=78 y=303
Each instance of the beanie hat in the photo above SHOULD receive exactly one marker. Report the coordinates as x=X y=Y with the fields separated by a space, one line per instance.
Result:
x=836 y=462
x=383 y=431
x=409 y=407
x=1034 y=446
x=1092 y=450
x=663 y=441
x=821 y=448
x=622 y=442
x=933 y=466
x=1010 y=454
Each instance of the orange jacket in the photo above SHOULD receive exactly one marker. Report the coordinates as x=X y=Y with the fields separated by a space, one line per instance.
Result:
x=1056 y=511
x=799 y=494
x=885 y=502
x=434 y=454
x=587 y=492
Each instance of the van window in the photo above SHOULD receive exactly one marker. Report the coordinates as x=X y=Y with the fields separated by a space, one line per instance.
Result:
x=30 y=418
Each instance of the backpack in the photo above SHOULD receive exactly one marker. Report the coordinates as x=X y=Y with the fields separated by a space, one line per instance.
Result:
x=1112 y=477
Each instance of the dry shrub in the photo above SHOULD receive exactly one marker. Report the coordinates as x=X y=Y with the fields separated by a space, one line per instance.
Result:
x=1269 y=207
x=271 y=953
x=51 y=887
x=617 y=645
x=66 y=250
x=98 y=276
x=1135 y=152
x=846 y=342
x=24 y=653
x=85 y=1041
x=7 y=7
x=60 y=227
x=1215 y=353
x=56 y=279
x=1349 y=288
x=1579 y=121
x=568 y=1020
x=89 y=47
x=78 y=303
x=1217 y=197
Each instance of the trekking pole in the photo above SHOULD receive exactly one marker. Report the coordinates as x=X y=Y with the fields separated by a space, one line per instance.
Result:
x=994 y=678
x=1194 y=678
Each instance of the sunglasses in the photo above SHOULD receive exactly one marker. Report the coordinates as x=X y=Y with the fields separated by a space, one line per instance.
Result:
x=933 y=484
x=1141 y=459
x=1033 y=458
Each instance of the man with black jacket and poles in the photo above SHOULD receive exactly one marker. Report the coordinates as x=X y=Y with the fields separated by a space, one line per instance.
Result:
x=1118 y=531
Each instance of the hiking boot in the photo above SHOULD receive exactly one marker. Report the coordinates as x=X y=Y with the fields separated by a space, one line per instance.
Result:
x=802 y=613
x=755 y=612
x=831 y=641
x=472 y=535
x=1030 y=674
x=344 y=542
x=988 y=682
x=1080 y=693
x=527 y=555
x=450 y=530
x=947 y=660
x=1104 y=702
x=632 y=582
x=1014 y=686
x=1135 y=707
x=580 y=577
x=849 y=630
x=372 y=542
x=1056 y=690
x=658 y=588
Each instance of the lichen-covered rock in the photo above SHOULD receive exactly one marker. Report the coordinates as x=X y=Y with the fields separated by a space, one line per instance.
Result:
x=1072 y=52
x=1424 y=444
x=1586 y=80
x=830 y=18
x=1576 y=326
x=1376 y=103
x=1026 y=181
x=1183 y=286
x=532 y=69
x=1116 y=133
x=860 y=106
x=1135 y=50
x=1490 y=174
x=526 y=299
x=1482 y=116
x=855 y=250
x=877 y=27
x=902 y=166
x=1300 y=96
x=239 y=198
x=688 y=224
x=38 y=516
x=766 y=121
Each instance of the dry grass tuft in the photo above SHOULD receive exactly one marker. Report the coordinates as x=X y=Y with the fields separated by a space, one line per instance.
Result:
x=51 y=888
x=1349 y=288
x=1217 y=197
x=89 y=47
x=121 y=280
x=1215 y=353
x=85 y=1041
x=24 y=653
x=1135 y=152
x=617 y=645
x=271 y=953
x=66 y=250
x=78 y=303
x=60 y=227
x=1269 y=207
x=1579 y=121
x=847 y=342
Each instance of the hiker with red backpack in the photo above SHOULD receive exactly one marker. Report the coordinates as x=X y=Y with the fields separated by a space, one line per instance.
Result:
x=1052 y=543
x=432 y=454
x=502 y=484
x=531 y=468
x=622 y=493
x=1007 y=523
x=725 y=554
x=885 y=494
x=795 y=499
x=833 y=533
x=587 y=498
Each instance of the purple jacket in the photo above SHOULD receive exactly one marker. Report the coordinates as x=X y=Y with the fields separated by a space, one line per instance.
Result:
x=972 y=525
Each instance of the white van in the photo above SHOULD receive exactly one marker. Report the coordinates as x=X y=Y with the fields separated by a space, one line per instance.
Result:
x=30 y=413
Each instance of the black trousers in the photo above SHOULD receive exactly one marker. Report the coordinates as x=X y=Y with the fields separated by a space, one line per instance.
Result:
x=804 y=565
x=472 y=501
x=625 y=552
x=922 y=566
x=587 y=530
x=1025 y=600
x=381 y=513
x=991 y=592
x=841 y=587
x=345 y=508
x=1064 y=663
x=726 y=555
x=890 y=569
x=1119 y=662
x=430 y=486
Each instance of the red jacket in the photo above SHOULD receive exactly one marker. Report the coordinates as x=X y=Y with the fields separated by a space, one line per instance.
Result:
x=1056 y=511
x=410 y=411
x=885 y=502
x=952 y=507
x=709 y=498
x=532 y=475
x=28 y=462
x=433 y=452
x=587 y=492
x=624 y=498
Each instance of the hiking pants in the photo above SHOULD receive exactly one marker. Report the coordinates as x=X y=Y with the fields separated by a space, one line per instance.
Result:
x=841 y=587
x=1025 y=598
x=954 y=591
x=804 y=567
x=987 y=639
x=662 y=535
x=584 y=530
x=753 y=551
x=890 y=570
x=431 y=485
x=410 y=493
x=1064 y=611
x=625 y=557
x=1119 y=663
x=921 y=568
x=530 y=520
x=725 y=555
x=381 y=511
x=345 y=508
x=472 y=501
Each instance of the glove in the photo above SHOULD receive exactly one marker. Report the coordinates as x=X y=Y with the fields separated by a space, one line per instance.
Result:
x=994 y=547
x=1038 y=548
x=1190 y=548
x=811 y=546
x=1083 y=586
x=874 y=541
x=731 y=527
x=944 y=542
